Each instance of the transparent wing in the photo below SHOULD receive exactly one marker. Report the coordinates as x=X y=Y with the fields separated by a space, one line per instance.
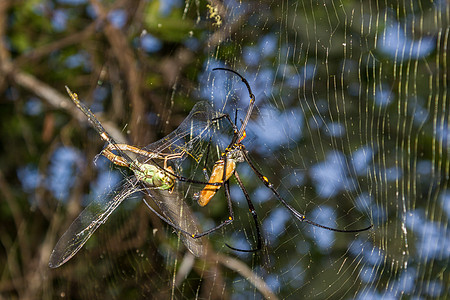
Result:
x=175 y=209
x=94 y=215
x=193 y=133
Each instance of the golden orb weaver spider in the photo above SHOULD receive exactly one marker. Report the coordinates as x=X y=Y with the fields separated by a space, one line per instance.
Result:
x=225 y=168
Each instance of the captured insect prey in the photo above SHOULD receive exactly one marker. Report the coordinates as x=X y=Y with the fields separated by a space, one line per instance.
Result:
x=154 y=173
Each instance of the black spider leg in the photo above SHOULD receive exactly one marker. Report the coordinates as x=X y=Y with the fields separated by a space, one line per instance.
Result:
x=249 y=110
x=298 y=215
x=252 y=210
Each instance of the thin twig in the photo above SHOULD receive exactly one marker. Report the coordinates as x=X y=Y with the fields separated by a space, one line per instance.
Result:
x=241 y=268
x=59 y=44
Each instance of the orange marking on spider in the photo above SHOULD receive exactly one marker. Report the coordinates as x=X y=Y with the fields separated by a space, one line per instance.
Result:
x=244 y=135
x=216 y=177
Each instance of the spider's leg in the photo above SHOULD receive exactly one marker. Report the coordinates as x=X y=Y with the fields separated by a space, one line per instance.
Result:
x=240 y=134
x=255 y=219
x=299 y=216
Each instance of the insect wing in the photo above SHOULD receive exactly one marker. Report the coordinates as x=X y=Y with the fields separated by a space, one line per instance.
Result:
x=175 y=209
x=94 y=215
x=193 y=132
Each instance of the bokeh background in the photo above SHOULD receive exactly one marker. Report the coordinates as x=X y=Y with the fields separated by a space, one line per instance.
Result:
x=351 y=126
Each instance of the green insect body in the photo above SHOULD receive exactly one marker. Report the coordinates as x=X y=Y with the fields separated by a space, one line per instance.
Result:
x=154 y=176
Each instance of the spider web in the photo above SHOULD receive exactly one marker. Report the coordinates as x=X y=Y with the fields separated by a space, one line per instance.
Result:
x=351 y=126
